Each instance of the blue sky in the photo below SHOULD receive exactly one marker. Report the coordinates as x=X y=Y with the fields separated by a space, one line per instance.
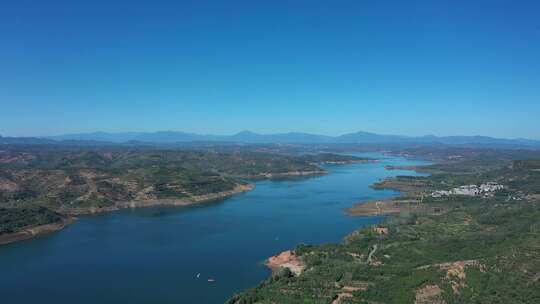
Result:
x=328 y=67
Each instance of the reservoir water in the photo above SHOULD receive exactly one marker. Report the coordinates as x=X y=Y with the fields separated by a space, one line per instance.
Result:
x=153 y=255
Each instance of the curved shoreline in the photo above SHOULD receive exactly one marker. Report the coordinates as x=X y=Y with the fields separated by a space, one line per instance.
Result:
x=71 y=213
x=161 y=202
x=36 y=231
x=384 y=207
x=290 y=174
x=32 y=232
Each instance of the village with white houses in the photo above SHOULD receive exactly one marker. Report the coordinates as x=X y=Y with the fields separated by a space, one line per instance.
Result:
x=486 y=189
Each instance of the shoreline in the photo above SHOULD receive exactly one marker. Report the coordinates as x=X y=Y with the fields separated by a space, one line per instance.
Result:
x=385 y=207
x=36 y=231
x=375 y=208
x=290 y=174
x=299 y=174
x=198 y=199
x=71 y=213
x=409 y=198
x=393 y=206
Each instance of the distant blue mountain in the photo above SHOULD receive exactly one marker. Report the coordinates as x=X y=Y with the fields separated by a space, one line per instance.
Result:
x=101 y=136
x=290 y=138
x=153 y=137
x=25 y=140
x=366 y=137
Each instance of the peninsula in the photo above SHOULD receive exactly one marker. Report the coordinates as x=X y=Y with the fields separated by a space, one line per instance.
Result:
x=466 y=233
x=43 y=187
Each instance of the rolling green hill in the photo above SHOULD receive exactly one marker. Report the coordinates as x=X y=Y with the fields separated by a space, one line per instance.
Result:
x=454 y=249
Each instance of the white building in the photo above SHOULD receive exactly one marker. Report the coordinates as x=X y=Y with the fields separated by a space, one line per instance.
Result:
x=486 y=189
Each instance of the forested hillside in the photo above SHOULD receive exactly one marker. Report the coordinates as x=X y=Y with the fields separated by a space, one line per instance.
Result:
x=452 y=249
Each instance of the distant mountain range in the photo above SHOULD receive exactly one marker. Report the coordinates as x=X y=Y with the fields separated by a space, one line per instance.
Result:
x=170 y=137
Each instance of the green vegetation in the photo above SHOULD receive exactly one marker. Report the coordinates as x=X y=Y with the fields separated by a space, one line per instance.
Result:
x=473 y=250
x=330 y=158
x=76 y=179
x=16 y=219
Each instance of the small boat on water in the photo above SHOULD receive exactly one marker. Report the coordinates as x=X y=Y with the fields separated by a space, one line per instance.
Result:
x=198 y=275
x=211 y=280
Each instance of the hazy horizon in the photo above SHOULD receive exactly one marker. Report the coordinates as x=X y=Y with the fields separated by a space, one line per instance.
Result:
x=260 y=133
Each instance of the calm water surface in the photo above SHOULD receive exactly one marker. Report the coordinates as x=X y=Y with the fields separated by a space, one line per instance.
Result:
x=153 y=255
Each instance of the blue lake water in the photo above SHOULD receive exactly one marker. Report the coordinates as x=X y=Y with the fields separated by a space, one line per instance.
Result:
x=153 y=255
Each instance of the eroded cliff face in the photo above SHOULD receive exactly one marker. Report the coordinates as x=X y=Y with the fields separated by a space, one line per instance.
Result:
x=286 y=259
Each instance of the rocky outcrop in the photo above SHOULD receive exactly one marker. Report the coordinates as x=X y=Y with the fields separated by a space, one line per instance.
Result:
x=455 y=272
x=429 y=294
x=286 y=259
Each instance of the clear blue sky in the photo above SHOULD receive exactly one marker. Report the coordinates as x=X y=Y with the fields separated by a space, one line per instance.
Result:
x=329 y=67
